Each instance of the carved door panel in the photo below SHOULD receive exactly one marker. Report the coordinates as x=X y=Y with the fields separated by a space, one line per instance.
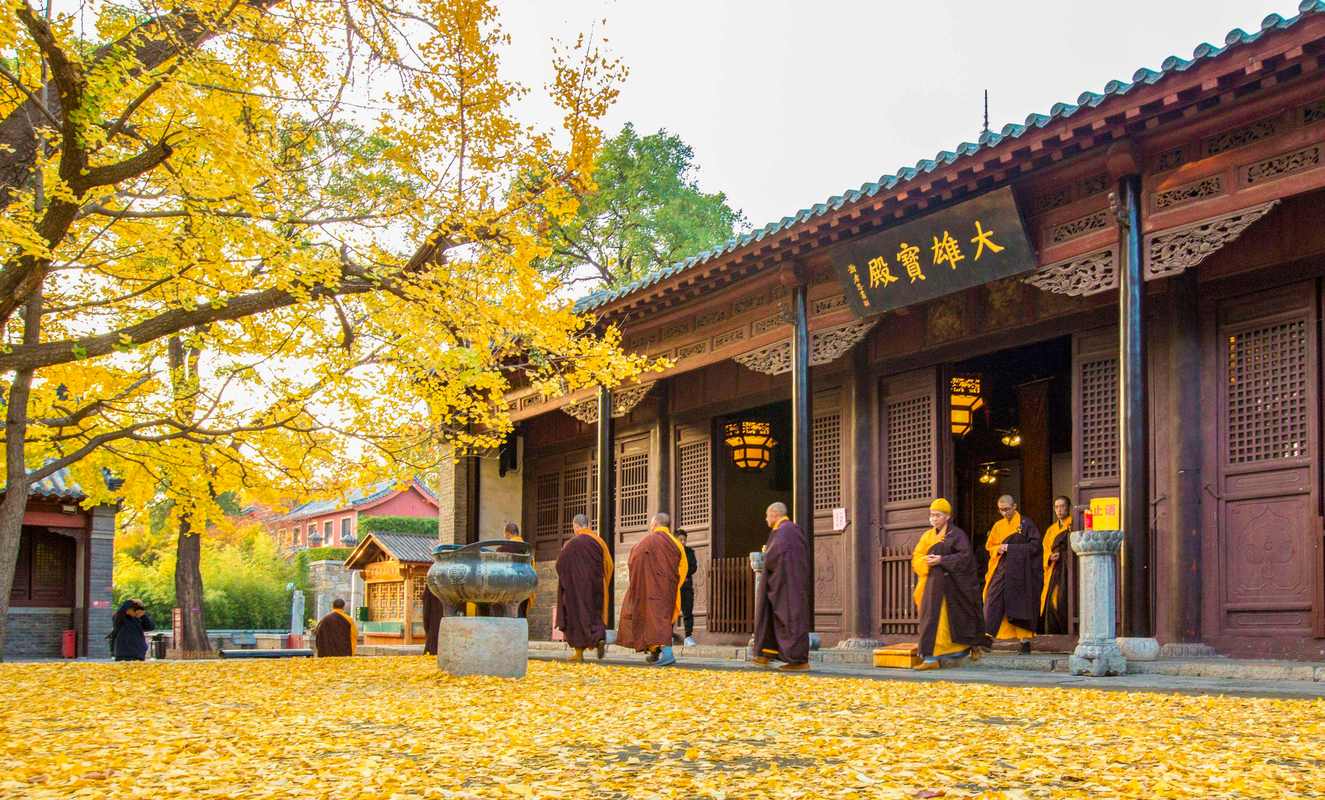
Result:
x=1266 y=573
x=694 y=505
x=1095 y=416
x=832 y=575
x=910 y=454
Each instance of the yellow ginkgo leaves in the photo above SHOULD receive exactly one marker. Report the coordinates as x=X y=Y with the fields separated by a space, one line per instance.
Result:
x=396 y=727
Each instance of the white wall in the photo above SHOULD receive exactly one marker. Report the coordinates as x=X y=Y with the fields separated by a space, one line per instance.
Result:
x=500 y=497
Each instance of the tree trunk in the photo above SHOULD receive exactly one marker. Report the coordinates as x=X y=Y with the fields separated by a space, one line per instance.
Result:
x=188 y=593
x=16 y=469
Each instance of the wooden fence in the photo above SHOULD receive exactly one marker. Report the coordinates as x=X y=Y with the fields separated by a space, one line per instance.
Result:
x=731 y=600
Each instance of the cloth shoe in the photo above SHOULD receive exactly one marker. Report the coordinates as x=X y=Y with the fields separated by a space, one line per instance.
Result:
x=578 y=655
x=602 y=650
x=665 y=657
x=1025 y=648
x=804 y=666
x=927 y=664
x=690 y=641
x=759 y=661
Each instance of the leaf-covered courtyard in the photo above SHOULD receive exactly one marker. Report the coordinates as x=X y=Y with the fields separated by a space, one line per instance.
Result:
x=397 y=728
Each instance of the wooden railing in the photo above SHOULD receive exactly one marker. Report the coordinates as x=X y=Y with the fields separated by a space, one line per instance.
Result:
x=900 y=615
x=731 y=600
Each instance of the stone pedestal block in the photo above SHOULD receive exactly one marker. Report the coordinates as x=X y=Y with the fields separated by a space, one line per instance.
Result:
x=483 y=646
x=1138 y=648
x=1097 y=650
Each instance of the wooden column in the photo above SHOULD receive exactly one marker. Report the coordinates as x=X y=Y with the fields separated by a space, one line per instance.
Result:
x=802 y=476
x=863 y=530
x=1182 y=570
x=1036 y=499
x=1133 y=422
x=606 y=465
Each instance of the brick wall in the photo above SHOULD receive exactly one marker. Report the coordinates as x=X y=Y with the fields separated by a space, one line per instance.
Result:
x=545 y=599
x=329 y=580
x=453 y=503
x=101 y=563
x=36 y=632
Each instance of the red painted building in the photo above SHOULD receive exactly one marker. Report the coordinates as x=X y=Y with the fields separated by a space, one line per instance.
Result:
x=335 y=523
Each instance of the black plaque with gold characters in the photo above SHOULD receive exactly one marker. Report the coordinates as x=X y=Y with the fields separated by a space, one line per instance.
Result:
x=969 y=244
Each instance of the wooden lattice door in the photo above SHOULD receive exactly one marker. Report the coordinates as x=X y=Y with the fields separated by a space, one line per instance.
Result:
x=694 y=507
x=912 y=420
x=1264 y=580
x=1095 y=416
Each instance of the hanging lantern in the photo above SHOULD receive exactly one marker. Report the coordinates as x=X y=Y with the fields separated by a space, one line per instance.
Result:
x=988 y=474
x=964 y=399
x=751 y=442
x=1012 y=438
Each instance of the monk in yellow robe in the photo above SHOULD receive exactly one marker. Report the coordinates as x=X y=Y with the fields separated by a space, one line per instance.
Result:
x=1057 y=550
x=948 y=591
x=1012 y=585
x=652 y=603
x=335 y=634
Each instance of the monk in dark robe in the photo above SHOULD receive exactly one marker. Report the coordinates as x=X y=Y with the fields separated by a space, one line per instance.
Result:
x=335 y=633
x=1057 y=550
x=948 y=592
x=653 y=599
x=584 y=584
x=782 y=614
x=432 y=617
x=1012 y=585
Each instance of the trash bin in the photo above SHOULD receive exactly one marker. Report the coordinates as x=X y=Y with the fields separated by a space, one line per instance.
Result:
x=69 y=644
x=159 y=646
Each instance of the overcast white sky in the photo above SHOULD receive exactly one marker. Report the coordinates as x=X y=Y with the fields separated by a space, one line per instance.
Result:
x=789 y=103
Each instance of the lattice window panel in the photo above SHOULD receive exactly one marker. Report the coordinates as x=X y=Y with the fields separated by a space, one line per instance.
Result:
x=1099 y=418
x=52 y=565
x=576 y=490
x=911 y=449
x=694 y=493
x=1267 y=393
x=547 y=506
x=632 y=492
x=416 y=597
x=386 y=601
x=827 y=434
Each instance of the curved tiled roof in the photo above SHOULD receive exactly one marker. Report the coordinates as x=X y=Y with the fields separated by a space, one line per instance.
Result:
x=1142 y=77
x=357 y=497
x=57 y=486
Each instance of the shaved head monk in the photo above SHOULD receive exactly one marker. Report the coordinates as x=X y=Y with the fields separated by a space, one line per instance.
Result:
x=653 y=600
x=584 y=583
x=782 y=614
x=1012 y=585
x=948 y=592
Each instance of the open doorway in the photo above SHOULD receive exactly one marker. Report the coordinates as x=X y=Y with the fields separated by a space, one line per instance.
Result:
x=746 y=491
x=1019 y=437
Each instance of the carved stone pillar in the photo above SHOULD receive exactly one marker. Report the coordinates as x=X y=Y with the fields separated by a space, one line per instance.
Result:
x=1097 y=650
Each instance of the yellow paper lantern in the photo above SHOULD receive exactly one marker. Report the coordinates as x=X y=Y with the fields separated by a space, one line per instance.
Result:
x=751 y=443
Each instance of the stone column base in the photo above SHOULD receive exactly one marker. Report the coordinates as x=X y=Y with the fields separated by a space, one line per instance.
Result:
x=483 y=646
x=1097 y=658
x=1138 y=648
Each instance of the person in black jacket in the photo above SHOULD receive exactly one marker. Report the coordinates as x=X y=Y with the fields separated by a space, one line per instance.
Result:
x=128 y=633
x=688 y=591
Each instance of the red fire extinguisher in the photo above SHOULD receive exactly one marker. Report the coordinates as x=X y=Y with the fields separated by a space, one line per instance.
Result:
x=69 y=645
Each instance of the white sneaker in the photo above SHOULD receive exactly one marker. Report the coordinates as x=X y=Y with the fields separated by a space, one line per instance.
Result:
x=690 y=641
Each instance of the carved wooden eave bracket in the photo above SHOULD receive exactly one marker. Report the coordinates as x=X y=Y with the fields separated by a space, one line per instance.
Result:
x=1168 y=253
x=1175 y=251
x=1079 y=276
x=826 y=346
x=623 y=402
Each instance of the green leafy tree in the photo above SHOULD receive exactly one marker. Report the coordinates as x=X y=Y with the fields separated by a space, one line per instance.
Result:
x=647 y=211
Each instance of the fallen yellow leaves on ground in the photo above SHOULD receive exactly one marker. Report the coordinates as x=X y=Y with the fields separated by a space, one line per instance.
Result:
x=397 y=728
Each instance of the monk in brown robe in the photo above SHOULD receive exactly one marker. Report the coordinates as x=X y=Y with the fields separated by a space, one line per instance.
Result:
x=584 y=584
x=432 y=618
x=335 y=633
x=1057 y=550
x=653 y=599
x=948 y=592
x=782 y=614
x=1012 y=585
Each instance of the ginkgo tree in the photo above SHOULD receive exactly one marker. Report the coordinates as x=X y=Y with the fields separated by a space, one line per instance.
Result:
x=240 y=235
